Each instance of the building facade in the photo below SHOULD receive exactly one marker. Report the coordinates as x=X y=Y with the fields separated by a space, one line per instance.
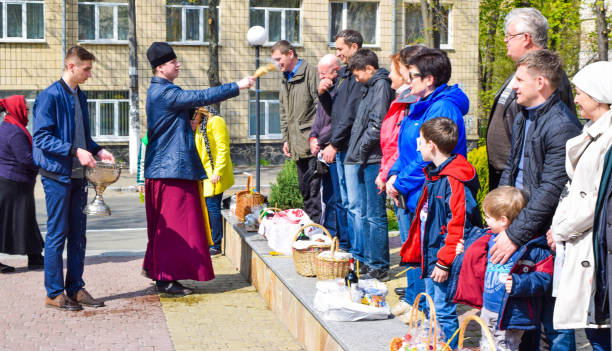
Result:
x=35 y=33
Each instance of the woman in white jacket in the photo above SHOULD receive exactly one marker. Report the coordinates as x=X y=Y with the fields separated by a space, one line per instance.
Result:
x=571 y=232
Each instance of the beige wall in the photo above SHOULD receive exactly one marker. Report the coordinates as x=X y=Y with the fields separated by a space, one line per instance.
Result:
x=25 y=66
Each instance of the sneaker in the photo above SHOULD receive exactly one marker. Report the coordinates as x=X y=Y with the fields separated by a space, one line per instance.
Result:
x=363 y=269
x=400 y=291
x=378 y=273
x=405 y=318
x=401 y=308
x=214 y=252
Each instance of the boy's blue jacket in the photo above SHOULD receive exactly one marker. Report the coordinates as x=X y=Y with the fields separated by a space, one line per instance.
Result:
x=450 y=191
x=531 y=279
x=445 y=101
x=54 y=129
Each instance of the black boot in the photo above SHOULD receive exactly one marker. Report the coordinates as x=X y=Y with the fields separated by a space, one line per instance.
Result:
x=172 y=288
x=36 y=261
x=6 y=269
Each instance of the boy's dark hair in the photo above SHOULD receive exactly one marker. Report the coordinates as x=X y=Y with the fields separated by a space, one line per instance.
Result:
x=350 y=37
x=441 y=131
x=433 y=62
x=79 y=52
x=283 y=47
x=363 y=58
x=544 y=62
x=406 y=53
x=504 y=201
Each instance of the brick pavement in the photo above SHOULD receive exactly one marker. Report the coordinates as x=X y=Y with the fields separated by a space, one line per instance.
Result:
x=226 y=313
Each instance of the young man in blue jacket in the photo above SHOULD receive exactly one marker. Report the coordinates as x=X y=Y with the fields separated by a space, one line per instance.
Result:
x=63 y=148
x=513 y=292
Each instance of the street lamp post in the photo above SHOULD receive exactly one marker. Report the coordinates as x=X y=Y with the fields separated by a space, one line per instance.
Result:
x=257 y=36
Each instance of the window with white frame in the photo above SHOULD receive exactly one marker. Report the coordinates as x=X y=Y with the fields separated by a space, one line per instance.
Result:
x=103 y=21
x=109 y=115
x=269 y=118
x=280 y=18
x=415 y=30
x=22 y=20
x=358 y=15
x=187 y=21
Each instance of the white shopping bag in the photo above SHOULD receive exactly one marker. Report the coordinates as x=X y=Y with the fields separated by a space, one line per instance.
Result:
x=334 y=301
x=282 y=227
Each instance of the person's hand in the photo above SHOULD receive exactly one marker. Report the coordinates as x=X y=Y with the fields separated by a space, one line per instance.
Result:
x=246 y=82
x=439 y=275
x=286 y=149
x=329 y=154
x=314 y=146
x=460 y=247
x=509 y=284
x=380 y=184
x=106 y=156
x=215 y=178
x=550 y=240
x=324 y=85
x=86 y=158
x=391 y=191
x=503 y=248
x=140 y=189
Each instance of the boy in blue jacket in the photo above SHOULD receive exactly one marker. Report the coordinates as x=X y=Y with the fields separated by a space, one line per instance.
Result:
x=511 y=292
x=446 y=209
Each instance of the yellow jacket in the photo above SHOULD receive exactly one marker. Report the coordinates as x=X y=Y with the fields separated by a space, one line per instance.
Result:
x=218 y=138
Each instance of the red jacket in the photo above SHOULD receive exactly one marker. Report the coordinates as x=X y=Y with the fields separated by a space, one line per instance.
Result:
x=389 y=131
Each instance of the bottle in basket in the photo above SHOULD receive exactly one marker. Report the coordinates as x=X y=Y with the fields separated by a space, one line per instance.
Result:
x=351 y=277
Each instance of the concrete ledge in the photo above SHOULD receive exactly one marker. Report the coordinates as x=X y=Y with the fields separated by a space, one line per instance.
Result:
x=291 y=296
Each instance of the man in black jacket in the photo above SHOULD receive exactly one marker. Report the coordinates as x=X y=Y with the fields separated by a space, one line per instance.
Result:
x=342 y=109
x=536 y=165
x=526 y=31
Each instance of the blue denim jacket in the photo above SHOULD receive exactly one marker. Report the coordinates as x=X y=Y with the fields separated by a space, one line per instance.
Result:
x=171 y=151
x=54 y=129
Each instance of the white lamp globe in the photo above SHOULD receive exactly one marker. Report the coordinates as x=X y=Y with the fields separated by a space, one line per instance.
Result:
x=257 y=36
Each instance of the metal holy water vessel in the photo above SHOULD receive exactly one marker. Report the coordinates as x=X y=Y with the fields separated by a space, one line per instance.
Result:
x=101 y=176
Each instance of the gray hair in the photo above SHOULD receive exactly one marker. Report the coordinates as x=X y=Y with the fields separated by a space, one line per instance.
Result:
x=529 y=20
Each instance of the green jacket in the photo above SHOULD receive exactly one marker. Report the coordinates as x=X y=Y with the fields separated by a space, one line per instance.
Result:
x=298 y=100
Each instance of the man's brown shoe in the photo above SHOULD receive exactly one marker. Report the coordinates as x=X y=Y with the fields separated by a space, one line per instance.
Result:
x=83 y=297
x=61 y=302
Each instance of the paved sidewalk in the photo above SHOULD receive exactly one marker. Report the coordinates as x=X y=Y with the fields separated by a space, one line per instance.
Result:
x=225 y=313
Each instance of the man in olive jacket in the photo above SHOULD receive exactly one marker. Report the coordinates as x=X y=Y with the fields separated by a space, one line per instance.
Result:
x=298 y=105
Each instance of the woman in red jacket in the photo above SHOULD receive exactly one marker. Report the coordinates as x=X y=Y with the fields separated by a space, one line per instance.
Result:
x=388 y=141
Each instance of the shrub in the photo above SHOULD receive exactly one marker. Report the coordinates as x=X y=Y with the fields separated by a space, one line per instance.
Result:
x=285 y=193
x=478 y=158
x=391 y=221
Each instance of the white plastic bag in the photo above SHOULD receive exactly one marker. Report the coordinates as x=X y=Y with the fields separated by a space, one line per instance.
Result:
x=280 y=229
x=334 y=301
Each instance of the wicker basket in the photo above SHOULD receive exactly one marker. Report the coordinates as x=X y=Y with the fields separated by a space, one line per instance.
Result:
x=484 y=327
x=245 y=200
x=331 y=268
x=304 y=259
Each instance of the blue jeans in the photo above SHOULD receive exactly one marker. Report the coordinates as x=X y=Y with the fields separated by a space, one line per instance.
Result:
x=599 y=338
x=213 y=204
x=414 y=283
x=559 y=339
x=335 y=214
x=343 y=203
x=65 y=220
x=446 y=312
x=404 y=219
x=367 y=207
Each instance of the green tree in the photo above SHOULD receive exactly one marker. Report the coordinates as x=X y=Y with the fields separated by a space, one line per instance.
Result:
x=285 y=193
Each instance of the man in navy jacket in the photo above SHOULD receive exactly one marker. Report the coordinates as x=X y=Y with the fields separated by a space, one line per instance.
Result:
x=62 y=148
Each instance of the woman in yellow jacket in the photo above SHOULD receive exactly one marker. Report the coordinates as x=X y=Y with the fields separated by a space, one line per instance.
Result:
x=212 y=143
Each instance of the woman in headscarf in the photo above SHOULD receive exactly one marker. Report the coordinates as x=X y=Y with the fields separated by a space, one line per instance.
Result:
x=19 y=233
x=571 y=233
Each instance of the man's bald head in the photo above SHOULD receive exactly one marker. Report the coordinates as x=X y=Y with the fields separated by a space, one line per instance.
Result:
x=328 y=66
